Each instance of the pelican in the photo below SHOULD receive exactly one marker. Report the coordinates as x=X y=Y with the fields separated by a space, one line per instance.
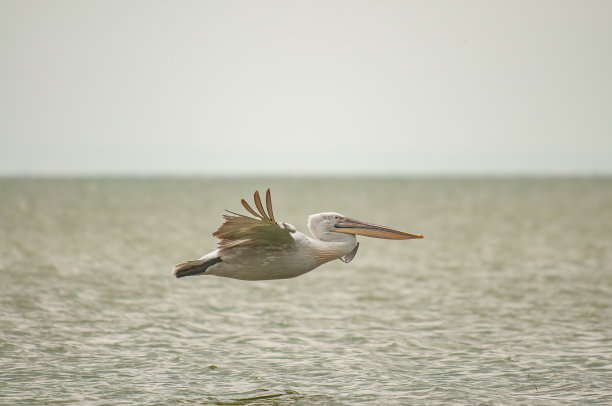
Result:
x=261 y=248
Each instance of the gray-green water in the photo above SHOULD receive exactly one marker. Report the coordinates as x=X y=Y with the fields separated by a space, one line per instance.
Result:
x=507 y=300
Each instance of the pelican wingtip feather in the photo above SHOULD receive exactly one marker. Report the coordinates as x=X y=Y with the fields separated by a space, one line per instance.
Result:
x=259 y=205
x=269 y=205
x=263 y=215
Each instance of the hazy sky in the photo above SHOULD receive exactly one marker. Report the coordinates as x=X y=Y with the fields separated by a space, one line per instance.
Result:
x=308 y=87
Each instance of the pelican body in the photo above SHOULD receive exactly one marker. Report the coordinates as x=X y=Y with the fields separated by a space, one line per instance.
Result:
x=260 y=248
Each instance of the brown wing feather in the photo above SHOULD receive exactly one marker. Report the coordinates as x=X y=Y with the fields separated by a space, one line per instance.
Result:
x=259 y=205
x=243 y=230
x=246 y=206
x=269 y=205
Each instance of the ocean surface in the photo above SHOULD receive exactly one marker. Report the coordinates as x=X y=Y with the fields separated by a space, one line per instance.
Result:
x=507 y=300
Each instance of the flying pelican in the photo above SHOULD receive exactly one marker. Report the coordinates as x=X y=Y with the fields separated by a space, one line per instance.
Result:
x=261 y=248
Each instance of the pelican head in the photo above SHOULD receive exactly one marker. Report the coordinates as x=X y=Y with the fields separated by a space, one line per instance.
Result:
x=336 y=227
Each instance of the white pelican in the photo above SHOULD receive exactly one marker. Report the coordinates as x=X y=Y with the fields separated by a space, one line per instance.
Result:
x=261 y=248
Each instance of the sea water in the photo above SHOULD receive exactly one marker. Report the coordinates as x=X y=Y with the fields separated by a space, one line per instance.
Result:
x=507 y=299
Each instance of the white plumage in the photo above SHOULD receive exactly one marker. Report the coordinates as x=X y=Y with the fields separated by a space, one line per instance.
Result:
x=259 y=247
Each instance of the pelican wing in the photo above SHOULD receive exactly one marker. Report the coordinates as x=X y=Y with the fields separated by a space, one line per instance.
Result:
x=239 y=229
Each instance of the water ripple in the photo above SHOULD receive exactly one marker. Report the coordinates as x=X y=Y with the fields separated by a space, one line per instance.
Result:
x=497 y=305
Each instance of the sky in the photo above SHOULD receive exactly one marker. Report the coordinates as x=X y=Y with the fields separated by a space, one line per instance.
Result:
x=305 y=87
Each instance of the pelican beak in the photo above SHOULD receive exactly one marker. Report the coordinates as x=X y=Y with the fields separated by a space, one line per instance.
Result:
x=351 y=226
